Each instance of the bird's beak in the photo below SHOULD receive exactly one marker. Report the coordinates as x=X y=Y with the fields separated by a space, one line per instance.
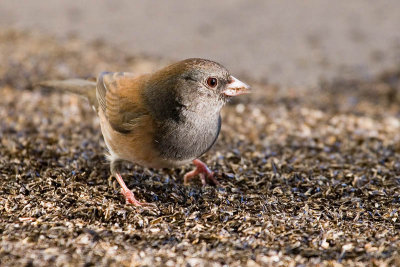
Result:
x=236 y=87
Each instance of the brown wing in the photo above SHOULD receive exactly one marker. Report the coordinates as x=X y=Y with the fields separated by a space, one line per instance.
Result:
x=119 y=96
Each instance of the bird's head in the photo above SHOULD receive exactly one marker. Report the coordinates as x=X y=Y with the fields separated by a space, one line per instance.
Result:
x=197 y=84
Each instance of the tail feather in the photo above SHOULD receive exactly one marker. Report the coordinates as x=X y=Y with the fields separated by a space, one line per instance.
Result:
x=80 y=87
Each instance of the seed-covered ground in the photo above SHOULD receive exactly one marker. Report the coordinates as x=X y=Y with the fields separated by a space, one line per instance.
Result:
x=308 y=175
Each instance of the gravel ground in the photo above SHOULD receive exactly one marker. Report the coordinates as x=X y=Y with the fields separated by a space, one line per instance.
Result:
x=308 y=176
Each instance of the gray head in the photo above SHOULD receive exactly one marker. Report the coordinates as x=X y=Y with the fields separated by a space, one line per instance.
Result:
x=196 y=84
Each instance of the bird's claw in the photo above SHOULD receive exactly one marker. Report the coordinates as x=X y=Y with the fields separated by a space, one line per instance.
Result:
x=129 y=196
x=130 y=199
x=203 y=172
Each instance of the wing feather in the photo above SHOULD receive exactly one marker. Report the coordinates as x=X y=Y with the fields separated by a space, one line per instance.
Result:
x=120 y=98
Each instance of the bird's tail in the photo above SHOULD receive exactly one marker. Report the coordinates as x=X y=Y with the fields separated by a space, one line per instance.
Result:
x=84 y=88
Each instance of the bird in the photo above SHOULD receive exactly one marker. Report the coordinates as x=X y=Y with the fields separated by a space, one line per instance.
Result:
x=164 y=119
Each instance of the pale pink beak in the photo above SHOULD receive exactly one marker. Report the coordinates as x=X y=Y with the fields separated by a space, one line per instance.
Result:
x=236 y=87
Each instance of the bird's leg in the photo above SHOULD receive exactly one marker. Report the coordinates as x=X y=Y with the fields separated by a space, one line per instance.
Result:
x=128 y=194
x=202 y=171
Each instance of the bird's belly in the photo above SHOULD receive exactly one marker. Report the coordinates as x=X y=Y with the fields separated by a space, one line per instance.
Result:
x=137 y=148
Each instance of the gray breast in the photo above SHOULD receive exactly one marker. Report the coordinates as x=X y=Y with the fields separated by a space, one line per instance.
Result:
x=187 y=139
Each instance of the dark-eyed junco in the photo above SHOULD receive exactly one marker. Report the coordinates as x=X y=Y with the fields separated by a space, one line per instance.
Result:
x=161 y=120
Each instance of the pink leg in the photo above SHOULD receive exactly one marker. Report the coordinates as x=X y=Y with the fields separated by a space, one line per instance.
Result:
x=129 y=197
x=203 y=171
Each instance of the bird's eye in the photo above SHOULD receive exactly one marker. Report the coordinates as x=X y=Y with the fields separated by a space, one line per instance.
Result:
x=212 y=82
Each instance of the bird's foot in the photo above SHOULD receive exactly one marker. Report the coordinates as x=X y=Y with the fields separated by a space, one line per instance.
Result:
x=202 y=171
x=130 y=198
x=128 y=194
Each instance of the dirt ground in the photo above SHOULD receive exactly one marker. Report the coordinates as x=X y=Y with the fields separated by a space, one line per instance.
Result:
x=309 y=177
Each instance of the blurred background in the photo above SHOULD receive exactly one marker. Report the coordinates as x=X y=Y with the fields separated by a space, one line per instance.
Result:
x=288 y=43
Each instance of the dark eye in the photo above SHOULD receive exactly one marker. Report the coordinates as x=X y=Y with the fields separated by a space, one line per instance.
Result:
x=212 y=82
